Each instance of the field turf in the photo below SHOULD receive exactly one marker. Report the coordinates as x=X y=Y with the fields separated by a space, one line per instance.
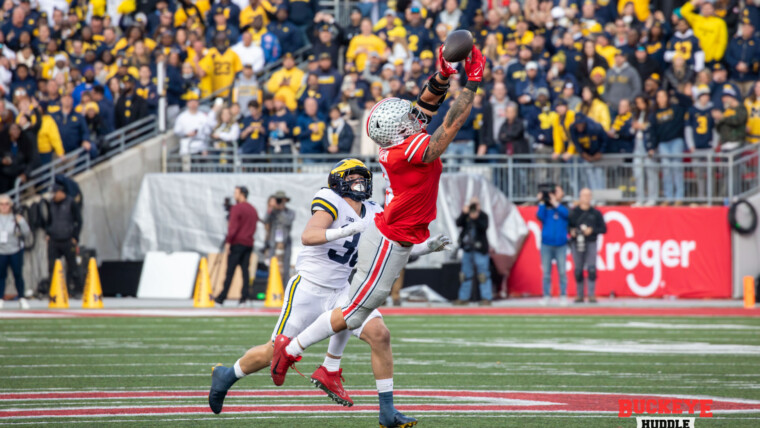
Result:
x=451 y=371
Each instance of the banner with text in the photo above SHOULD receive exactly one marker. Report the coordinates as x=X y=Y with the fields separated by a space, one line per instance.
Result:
x=646 y=252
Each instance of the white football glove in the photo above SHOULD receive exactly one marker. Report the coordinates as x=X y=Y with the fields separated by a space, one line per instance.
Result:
x=343 y=232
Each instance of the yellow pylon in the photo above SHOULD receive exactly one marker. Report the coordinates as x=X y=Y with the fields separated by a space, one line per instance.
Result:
x=749 y=292
x=203 y=297
x=92 y=298
x=59 y=294
x=274 y=286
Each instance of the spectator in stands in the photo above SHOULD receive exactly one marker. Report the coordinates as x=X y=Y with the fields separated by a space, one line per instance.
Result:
x=253 y=133
x=286 y=82
x=340 y=137
x=731 y=122
x=644 y=164
x=710 y=29
x=621 y=133
x=363 y=44
x=249 y=52
x=218 y=67
x=246 y=87
x=13 y=231
x=72 y=128
x=475 y=259
x=226 y=133
x=527 y=90
x=130 y=107
x=553 y=216
x=743 y=56
x=585 y=223
x=105 y=108
x=268 y=41
x=95 y=126
x=19 y=158
x=667 y=125
x=594 y=108
x=752 y=105
x=243 y=220
x=494 y=115
x=622 y=81
x=279 y=222
x=588 y=139
x=146 y=89
x=291 y=37
x=280 y=127
x=310 y=130
x=221 y=26
x=192 y=128
x=700 y=134
x=62 y=234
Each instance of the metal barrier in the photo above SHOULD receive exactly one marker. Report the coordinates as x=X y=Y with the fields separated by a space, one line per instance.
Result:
x=713 y=178
x=78 y=160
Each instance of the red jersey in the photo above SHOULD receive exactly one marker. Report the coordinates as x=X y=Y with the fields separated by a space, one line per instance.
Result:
x=411 y=190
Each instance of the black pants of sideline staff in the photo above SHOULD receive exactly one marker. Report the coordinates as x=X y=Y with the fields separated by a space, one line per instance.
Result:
x=16 y=262
x=68 y=250
x=240 y=255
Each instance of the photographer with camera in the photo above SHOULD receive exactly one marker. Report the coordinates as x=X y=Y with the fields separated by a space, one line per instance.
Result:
x=553 y=215
x=279 y=222
x=13 y=231
x=585 y=224
x=474 y=242
x=239 y=242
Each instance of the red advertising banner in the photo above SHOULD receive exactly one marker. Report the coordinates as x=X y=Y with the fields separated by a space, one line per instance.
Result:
x=646 y=252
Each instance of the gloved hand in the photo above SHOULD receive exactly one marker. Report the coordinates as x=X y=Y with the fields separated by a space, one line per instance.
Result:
x=438 y=243
x=474 y=65
x=344 y=232
x=445 y=67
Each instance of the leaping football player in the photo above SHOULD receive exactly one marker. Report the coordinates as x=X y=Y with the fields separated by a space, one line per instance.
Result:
x=340 y=213
x=409 y=157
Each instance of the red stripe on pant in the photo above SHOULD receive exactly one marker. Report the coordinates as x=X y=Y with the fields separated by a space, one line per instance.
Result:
x=373 y=277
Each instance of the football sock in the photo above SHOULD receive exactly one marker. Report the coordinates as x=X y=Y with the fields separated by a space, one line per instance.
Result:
x=331 y=364
x=385 y=394
x=238 y=371
x=318 y=330
x=338 y=343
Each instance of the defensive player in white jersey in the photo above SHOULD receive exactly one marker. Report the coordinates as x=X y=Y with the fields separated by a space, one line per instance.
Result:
x=331 y=237
x=411 y=166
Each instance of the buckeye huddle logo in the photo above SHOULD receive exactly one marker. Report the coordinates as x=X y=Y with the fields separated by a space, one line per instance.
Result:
x=664 y=406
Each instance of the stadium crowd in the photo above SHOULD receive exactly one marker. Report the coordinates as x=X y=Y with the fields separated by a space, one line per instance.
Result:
x=572 y=80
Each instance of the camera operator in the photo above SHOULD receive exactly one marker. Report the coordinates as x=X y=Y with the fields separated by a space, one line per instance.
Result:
x=553 y=216
x=585 y=224
x=239 y=242
x=474 y=243
x=278 y=222
x=13 y=231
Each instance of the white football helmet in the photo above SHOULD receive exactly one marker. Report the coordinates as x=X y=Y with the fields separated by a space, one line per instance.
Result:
x=391 y=121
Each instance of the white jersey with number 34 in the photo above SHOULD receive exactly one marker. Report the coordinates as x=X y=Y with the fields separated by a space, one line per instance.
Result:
x=330 y=264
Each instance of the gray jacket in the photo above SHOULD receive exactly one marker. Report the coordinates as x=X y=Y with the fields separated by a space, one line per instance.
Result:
x=12 y=233
x=623 y=82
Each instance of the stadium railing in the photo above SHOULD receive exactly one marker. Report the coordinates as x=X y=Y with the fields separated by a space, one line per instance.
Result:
x=617 y=178
x=77 y=161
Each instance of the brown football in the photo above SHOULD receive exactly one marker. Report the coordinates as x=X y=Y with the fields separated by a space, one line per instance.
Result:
x=457 y=46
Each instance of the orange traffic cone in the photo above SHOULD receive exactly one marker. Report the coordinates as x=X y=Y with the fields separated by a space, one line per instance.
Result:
x=274 y=286
x=59 y=294
x=92 y=298
x=203 y=297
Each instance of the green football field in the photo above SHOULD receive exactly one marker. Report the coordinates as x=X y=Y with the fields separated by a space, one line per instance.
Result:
x=451 y=371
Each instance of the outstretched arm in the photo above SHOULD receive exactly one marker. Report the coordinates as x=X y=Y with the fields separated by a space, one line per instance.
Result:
x=460 y=109
x=434 y=92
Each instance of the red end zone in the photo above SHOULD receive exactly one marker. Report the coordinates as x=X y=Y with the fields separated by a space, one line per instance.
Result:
x=453 y=401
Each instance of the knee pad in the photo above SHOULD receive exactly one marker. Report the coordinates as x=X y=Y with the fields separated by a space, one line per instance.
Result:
x=579 y=275
x=592 y=274
x=482 y=278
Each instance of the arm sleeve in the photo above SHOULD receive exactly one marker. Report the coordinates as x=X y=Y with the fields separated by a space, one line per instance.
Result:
x=563 y=211
x=687 y=11
x=234 y=225
x=415 y=152
x=24 y=226
x=55 y=138
x=541 y=212
x=482 y=221
x=689 y=136
x=77 y=220
x=601 y=226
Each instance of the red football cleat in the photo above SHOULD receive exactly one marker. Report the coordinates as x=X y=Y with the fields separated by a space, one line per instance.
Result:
x=329 y=382
x=281 y=360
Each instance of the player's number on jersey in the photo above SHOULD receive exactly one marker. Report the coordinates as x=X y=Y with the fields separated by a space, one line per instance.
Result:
x=344 y=258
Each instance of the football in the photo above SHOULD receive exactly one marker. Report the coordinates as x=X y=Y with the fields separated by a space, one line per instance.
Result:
x=457 y=46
